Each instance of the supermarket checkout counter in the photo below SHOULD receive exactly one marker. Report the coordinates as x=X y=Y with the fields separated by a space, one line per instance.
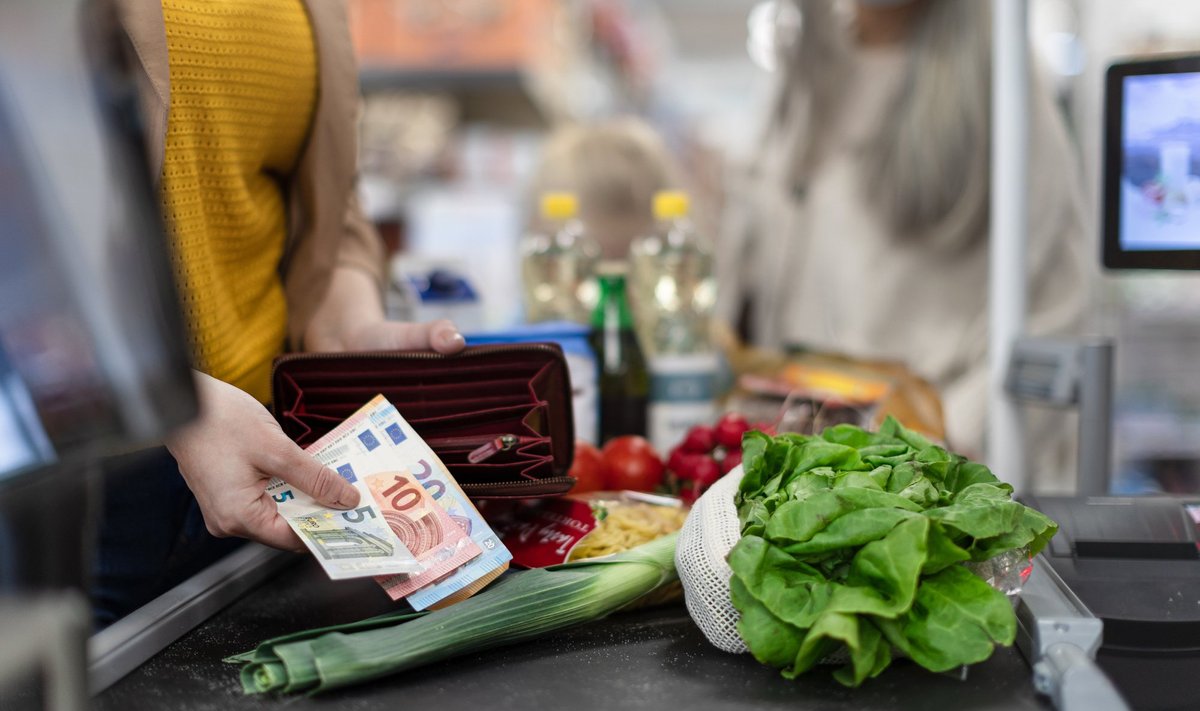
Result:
x=650 y=659
x=103 y=367
x=125 y=381
x=1126 y=596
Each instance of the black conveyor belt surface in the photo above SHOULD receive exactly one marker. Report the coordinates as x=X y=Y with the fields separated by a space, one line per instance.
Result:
x=649 y=659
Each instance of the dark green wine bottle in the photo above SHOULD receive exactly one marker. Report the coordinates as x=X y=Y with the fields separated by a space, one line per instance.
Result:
x=624 y=382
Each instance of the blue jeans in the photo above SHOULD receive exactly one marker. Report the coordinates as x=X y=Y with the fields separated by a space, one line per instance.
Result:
x=151 y=538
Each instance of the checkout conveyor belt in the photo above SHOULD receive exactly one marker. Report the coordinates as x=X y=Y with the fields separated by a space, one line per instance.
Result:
x=648 y=659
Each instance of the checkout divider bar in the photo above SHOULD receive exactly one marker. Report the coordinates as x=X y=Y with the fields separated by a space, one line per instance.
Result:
x=1059 y=637
x=134 y=639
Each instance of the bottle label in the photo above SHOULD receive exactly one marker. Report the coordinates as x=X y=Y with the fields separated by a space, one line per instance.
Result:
x=682 y=395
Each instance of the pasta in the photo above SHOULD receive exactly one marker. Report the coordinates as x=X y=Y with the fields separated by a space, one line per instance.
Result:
x=626 y=525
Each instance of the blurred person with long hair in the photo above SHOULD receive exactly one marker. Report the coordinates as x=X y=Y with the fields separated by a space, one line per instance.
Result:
x=863 y=226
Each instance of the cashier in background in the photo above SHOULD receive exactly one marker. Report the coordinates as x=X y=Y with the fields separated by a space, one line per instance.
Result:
x=249 y=109
x=863 y=228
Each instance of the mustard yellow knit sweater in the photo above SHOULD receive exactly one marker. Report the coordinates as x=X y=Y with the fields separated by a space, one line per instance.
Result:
x=243 y=89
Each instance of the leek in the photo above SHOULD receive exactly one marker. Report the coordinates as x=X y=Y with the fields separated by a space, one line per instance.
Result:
x=519 y=606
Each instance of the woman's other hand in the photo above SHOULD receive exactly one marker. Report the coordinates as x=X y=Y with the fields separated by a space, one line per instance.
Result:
x=441 y=336
x=351 y=318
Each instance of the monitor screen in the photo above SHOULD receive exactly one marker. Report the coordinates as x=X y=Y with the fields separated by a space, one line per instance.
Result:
x=93 y=347
x=1152 y=164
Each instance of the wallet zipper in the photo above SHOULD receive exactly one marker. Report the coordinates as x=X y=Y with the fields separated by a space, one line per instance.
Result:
x=511 y=440
x=491 y=445
x=501 y=490
x=488 y=445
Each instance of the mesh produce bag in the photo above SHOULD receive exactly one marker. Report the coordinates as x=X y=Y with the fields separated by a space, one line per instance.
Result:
x=710 y=532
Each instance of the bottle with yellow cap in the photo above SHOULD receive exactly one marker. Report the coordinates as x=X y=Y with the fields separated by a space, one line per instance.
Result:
x=674 y=291
x=558 y=263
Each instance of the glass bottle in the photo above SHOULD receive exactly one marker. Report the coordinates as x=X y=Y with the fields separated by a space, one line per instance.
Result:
x=624 y=383
x=674 y=292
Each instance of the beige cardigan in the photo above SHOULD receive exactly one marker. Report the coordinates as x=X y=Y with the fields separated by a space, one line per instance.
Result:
x=326 y=226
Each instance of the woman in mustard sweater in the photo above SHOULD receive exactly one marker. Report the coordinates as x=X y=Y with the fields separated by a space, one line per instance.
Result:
x=249 y=108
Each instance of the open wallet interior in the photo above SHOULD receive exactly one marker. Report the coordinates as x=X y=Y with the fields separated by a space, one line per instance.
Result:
x=498 y=416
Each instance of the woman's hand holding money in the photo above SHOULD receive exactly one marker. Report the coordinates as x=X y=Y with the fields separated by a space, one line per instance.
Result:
x=229 y=454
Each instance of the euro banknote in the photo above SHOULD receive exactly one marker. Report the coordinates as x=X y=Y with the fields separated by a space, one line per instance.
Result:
x=428 y=469
x=348 y=544
x=425 y=527
x=413 y=516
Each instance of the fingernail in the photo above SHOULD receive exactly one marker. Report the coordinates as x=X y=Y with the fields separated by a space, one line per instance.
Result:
x=458 y=339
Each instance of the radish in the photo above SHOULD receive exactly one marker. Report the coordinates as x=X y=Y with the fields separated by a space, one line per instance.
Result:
x=700 y=440
x=729 y=431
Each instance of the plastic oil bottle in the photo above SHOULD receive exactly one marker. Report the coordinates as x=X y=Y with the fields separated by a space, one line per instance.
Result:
x=674 y=292
x=558 y=264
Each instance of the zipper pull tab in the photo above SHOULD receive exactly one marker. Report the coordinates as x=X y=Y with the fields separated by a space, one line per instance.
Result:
x=502 y=443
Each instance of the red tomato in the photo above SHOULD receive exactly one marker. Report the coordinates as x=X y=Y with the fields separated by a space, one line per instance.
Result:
x=588 y=468
x=632 y=464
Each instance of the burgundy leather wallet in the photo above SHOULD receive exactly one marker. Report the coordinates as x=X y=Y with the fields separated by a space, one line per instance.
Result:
x=498 y=416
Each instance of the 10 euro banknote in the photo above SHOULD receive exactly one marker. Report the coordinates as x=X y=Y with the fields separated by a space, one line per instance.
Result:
x=439 y=548
x=425 y=527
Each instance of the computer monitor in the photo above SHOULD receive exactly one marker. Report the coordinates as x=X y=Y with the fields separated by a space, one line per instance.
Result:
x=93 y=348
x=1152 y=164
